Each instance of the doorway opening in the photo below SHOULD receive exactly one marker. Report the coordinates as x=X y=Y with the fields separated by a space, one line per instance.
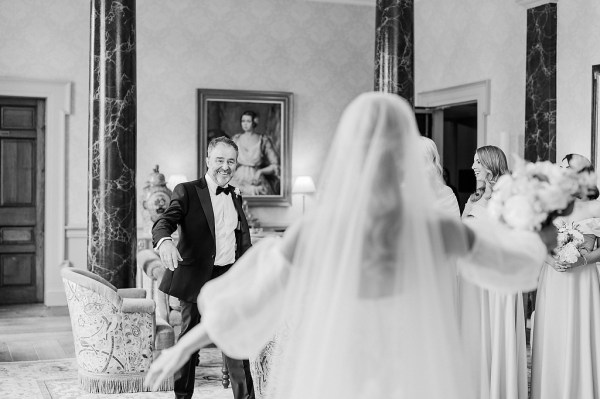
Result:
x=458 y=127
x=454 y=130
x=459 y=145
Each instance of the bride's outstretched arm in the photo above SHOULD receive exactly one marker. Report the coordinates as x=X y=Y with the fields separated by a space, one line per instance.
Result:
x=496 y=257
x=249 y=297
x=173 y=358
x=246 y=298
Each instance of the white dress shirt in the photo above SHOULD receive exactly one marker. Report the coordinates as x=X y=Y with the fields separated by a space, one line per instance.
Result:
x=226 y=219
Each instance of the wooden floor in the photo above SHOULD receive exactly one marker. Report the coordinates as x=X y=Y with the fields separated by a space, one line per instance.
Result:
x=35 y=332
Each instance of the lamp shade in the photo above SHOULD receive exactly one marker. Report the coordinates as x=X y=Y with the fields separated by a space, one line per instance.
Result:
x=175 y=180
x=303 y=185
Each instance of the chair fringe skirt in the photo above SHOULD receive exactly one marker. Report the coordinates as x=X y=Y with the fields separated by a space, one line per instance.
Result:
x=95 y=383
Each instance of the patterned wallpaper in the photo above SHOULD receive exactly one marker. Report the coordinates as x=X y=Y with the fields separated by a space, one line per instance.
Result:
x=460 y=42
x=486 y=39
x=578 y=48
x=321 y=52
x=50 y=41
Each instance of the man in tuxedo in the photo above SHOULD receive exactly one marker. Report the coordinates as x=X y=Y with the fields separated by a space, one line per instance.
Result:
x=213 y=233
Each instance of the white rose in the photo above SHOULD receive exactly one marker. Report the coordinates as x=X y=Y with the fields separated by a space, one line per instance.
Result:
x=577 y=237
x=495 y=207
x=561 y=238
x=568 y=253
x=518 y=213
x=503 y=188
x=553 y=198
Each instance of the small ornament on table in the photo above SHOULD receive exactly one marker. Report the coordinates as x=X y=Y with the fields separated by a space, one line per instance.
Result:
x=156 y=197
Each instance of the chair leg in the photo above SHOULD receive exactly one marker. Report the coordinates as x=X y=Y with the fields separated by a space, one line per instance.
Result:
x=225 y=372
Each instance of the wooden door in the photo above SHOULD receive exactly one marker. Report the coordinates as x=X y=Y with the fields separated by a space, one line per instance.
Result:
x=22 y=129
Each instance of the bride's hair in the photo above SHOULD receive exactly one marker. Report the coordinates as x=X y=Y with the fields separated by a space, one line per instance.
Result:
x=494 y=161
x=382 y=229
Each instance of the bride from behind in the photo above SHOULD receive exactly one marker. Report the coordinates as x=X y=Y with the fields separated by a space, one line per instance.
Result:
x=364 y=282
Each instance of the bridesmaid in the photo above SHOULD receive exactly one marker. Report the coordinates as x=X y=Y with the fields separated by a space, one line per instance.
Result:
x=445 y=200
x=492 y=323
x=566 y=333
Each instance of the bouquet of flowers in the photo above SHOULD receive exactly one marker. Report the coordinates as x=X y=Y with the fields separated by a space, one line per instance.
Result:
x=534 y=193
x=569 y=240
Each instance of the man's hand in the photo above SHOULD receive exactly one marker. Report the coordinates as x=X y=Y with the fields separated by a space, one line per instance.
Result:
x=169 y=255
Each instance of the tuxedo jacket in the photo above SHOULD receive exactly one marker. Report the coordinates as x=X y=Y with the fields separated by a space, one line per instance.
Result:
x=191 y=211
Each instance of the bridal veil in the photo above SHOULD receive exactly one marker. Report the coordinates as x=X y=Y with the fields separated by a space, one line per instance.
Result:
x=369 y=305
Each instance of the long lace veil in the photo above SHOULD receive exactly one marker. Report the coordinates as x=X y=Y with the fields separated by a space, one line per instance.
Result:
x=369 y=305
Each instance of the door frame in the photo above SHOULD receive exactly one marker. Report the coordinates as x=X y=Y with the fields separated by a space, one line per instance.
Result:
x=478 y=92
x=58 y=107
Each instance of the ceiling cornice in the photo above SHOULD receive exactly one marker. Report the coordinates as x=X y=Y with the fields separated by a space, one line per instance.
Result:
x=352 y=2
x=534 y=3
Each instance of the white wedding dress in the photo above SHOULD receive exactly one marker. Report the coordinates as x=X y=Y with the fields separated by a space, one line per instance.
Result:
x=367 y=298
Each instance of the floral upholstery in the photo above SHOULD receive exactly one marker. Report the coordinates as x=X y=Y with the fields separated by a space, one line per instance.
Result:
x=115 y=333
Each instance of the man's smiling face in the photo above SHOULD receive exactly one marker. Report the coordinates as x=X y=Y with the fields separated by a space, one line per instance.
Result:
x=222 y=162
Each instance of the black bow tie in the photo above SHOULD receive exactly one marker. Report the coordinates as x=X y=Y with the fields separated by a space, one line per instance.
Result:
x=225 y=190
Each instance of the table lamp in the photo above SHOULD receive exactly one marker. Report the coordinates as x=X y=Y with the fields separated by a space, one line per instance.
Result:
x=303 y=185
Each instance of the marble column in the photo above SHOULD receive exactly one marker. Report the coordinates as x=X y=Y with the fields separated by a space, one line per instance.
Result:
x=112 y=142
x=540 y=86
x=394 y=48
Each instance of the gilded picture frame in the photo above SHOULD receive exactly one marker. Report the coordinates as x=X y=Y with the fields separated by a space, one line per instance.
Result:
x=263 y=172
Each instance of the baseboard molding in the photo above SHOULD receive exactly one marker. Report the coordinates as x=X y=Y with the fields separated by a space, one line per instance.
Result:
x=55 y=298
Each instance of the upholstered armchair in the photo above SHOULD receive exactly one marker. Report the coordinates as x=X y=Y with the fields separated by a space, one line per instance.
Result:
x=168 y=308
x=115 y=332
x=151 y=271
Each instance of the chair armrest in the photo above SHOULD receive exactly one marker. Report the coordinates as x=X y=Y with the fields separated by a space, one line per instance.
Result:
x=148 y=261
x=162 y=305
x=165 y=336
x=154 y=269
x=138 y=305
x=132 y=292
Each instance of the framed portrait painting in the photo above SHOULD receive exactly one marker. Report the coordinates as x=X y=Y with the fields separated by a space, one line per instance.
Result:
x=259 y=122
